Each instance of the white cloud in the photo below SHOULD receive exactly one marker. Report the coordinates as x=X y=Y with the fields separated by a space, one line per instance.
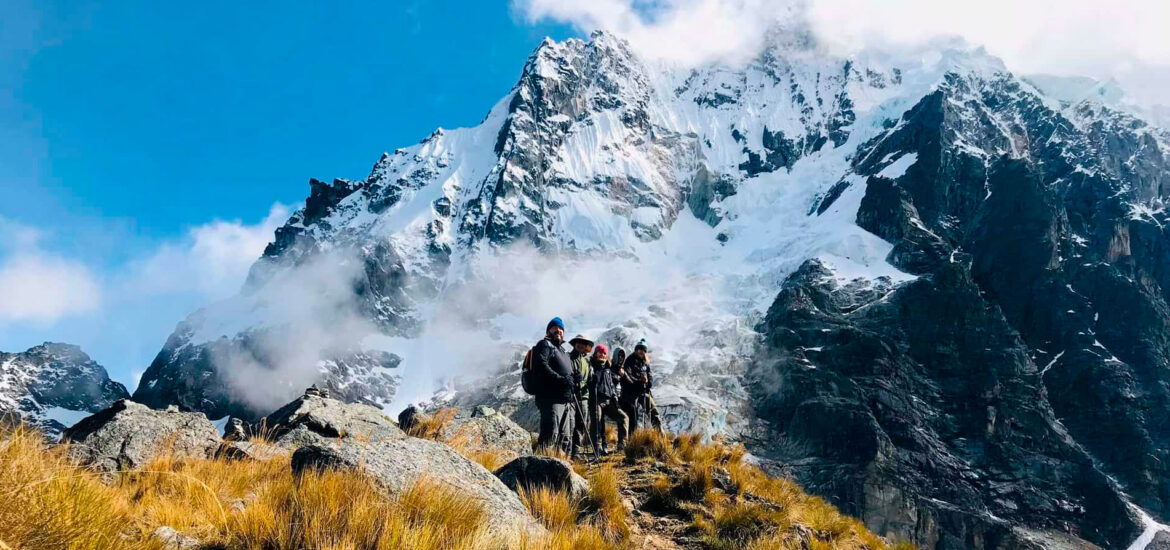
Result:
x=209 y=263
x=1119 y=40
x=213 y=260
x=39 y=287
x=687 y=31
x=1068 y=37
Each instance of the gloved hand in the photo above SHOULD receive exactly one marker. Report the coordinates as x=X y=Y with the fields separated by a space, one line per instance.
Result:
x=577 y=379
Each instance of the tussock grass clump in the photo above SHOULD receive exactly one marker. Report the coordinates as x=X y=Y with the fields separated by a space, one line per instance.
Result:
x=660 y=495
x=431 y=426
x=734 y=505
x=52 y=503
x=488 y=458
x=735 y=524
x=650 y=444
x=551 y=507
x=697 y=480
x=605 y=499
x=335 y=509
x=564 y=517
x=49 y=503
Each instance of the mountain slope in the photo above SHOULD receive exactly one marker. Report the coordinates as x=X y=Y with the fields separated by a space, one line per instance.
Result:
x=52 y=386
x=968 y=348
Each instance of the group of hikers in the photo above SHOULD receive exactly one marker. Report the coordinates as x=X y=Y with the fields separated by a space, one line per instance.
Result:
x=577 y=391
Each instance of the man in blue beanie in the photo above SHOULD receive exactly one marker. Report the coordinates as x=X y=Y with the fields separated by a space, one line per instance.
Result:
x=553 y=377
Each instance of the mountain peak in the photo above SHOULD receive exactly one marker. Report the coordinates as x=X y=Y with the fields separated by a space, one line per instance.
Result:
x=53 y=385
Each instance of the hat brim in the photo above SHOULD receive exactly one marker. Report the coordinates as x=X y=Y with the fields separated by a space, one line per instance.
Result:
x=582 y=340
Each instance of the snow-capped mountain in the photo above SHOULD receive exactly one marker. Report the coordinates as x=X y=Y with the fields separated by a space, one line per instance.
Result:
x=922 y=286
x=52 y=386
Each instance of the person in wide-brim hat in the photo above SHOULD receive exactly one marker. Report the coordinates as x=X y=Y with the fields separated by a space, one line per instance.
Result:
x=582 y=339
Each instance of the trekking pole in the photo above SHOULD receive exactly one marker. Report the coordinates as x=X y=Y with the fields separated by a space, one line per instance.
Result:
x=588 y=437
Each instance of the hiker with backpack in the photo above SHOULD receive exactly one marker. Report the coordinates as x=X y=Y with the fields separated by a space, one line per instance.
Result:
x=582 y=377
x=604 y=397
x=547 y=373
x=636 y=383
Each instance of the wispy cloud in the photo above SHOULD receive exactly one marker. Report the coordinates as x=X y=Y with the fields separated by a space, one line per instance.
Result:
x=40 y=288
x=212 y=260
x=37 y=286
x=686 y=31
x=1105 y=40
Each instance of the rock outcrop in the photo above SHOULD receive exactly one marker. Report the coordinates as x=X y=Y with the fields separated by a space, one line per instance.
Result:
x=542 y=472
x=396 y=463
x=484 y=429
x=128 y=435
x=315 y=419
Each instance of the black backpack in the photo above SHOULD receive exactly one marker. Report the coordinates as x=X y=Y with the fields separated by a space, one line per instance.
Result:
x=527 y=377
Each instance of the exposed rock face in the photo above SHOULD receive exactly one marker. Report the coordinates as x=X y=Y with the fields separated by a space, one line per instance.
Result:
x=486 y=429
x=128 y=435
x=396 y=463
x=542 y=472
x=52 y=386
x=313 y=419
x=1014 y=381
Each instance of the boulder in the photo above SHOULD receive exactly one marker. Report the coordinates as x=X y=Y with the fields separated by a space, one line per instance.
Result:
x=396 y=463
x=486 y=429
x=536 y=472
x=316 y=419
x=410 y=416
x=236 y=430
x=128 y=435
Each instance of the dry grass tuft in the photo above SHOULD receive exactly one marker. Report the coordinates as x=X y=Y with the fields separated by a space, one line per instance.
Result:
x=564 y=517
x=49 y=503
x=492 y=459
x=552 y=508
x=650 y=444
x=661 y=494
x=605 y=499
x=431 y=426
x=697 y=480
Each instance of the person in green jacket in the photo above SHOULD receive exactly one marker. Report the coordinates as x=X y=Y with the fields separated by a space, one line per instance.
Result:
x=582 y=374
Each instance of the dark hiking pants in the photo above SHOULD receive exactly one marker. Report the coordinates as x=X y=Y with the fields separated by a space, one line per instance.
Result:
x=608 y=408
x=556 y=423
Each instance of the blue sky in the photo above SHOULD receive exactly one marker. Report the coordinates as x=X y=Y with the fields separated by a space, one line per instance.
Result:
x=146 y=143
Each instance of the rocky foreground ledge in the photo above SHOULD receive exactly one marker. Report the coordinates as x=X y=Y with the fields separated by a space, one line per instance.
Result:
x=316 y=431
x=445 y=480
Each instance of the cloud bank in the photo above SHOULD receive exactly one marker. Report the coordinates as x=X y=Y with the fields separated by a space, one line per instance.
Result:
x=37 y=286
x=1124 y=41
x=212 y=260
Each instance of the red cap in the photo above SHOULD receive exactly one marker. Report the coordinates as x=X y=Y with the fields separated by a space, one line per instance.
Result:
x=600 y=348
